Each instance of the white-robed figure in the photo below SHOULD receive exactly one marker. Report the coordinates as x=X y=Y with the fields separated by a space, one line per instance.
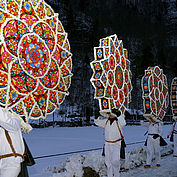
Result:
x=11 y=145
x=113 y=136
x=153 y=142
x=173 y=132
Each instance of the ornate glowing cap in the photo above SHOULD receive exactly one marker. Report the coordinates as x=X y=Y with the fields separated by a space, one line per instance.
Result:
x=35 y=58
x=111 y=75
x=174 y=97
x=155 y=94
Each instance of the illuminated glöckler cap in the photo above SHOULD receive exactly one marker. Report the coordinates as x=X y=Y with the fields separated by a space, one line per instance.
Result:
x=155 y=94
x=35 y=58
x=174 y=98
x=111 y=75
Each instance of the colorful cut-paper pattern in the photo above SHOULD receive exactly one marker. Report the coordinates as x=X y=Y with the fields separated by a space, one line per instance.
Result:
x=35 y=58
x=155 y=94
x=111 y=75
x=174 y=97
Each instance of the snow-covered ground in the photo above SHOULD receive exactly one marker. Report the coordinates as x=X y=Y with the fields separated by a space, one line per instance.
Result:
x=168 y=169
x=57 y=140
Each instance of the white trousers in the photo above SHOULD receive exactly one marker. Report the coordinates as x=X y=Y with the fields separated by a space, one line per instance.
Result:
x=175 y=145
x=112 y=159
x=153 y=148
x=10 y=170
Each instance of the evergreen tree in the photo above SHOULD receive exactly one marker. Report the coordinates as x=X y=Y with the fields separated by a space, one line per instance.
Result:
x=162 y=59
x=147 y=58
x=83 y=5
x=70 y=20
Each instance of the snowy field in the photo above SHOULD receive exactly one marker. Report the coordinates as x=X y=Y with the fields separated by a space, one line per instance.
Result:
x=57 y=140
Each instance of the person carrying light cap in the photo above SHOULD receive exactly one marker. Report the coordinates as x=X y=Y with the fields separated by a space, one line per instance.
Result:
x=11 y=145
x=113 y=137
x=173 y=133
x=153 y=142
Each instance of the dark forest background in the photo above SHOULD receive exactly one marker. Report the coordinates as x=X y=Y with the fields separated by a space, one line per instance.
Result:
x=148 y=29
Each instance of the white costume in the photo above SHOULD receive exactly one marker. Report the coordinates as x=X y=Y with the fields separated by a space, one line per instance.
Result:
x=113 y=139
x=174 y=130
x=10 y=166
x=153 y=144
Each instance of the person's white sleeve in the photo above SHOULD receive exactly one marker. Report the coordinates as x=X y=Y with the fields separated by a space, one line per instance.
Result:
x=121 y=120
x=160 y=129
x=100 y=123
x=25 y=127
x=171 y=130
x=9 y=123
x=146 y=124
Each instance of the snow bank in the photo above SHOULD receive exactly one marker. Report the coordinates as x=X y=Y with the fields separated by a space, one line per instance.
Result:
x=73 y=166
x=134 y=158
